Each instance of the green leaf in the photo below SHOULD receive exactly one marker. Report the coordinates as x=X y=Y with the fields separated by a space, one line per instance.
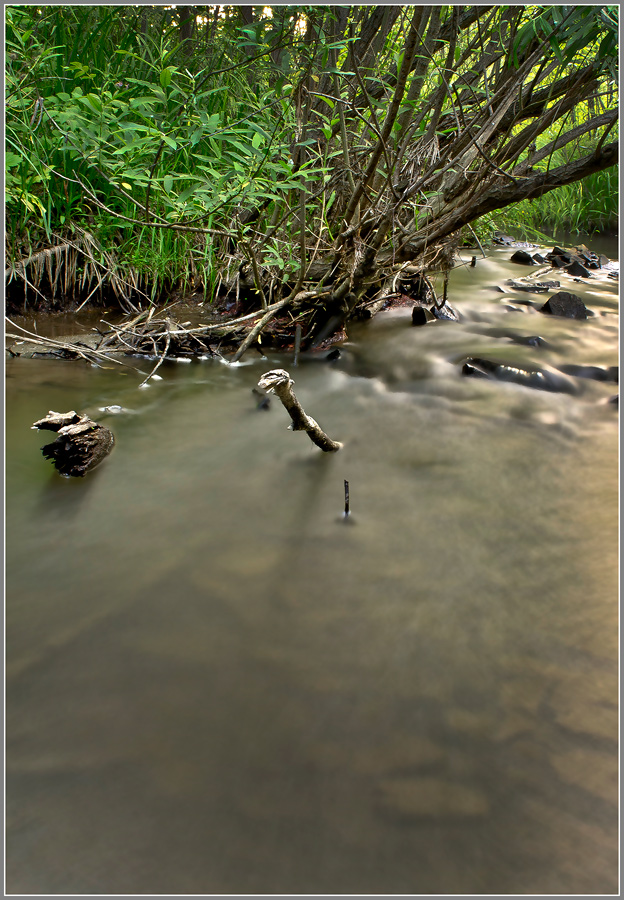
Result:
x=166 y=76
x=186 y=193
x=168 y=183
x=92 y=101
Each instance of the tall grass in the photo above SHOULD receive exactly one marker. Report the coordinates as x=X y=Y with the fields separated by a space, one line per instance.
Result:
x=107 y=128
x=585 y=206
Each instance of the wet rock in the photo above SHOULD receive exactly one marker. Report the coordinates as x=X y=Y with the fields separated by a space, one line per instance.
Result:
x=503 y=240
x=446 y=313
x=540 y=379
x=588 y=257
x=81 y=444
x=538 y=258
x=421 y=315
x=333 y=354
x=565 y=304
x=538 y=287
x=559 y=253
x=577 y=262
x=597 y=373
x=522 y=257
x=431 y=797
x=557 y=262
x=578 y=270
x=615 y=400
x=532 y=340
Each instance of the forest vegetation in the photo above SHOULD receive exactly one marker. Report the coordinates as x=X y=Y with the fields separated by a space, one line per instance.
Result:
x=294 y=159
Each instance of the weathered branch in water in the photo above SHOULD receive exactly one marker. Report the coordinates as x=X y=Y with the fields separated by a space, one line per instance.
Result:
x=81 y=444
x=280 y=383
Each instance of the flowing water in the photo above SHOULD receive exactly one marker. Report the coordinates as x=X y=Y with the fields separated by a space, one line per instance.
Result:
x=217 y=684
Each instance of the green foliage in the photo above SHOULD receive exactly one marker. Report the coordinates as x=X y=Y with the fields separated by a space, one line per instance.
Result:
x=133 y=133
x=170 y=149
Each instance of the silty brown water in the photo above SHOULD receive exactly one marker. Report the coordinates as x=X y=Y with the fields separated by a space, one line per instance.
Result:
x=216 y=684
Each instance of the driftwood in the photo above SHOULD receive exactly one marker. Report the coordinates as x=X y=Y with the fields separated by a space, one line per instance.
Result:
x=280 y=383
x=81 y=444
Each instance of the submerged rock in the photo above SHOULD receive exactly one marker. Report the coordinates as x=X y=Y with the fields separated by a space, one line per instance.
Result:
x=429 y=797
x=263 y=401
x=532 y=340
x=565 y=304
x=538 y=287
x=597 y=373
x=541 y=379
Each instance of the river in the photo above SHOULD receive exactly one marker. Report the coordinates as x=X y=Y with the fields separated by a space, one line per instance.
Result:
x=217 y=684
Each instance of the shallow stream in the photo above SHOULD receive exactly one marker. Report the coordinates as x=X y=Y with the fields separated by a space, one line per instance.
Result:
x=217 y=684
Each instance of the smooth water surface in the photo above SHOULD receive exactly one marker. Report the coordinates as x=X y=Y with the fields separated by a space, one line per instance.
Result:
x=216 y=684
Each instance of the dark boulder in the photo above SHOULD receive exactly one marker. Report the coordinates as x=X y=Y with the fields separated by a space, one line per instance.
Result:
x=578 y=269
x=421 y=315
x=565 y=304
x=522 y=257
x=540 y=379
x=560 y=253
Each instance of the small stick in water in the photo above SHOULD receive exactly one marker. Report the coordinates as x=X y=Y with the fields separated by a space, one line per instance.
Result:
x=279 y=382
x=347 y=510
x=297 y=343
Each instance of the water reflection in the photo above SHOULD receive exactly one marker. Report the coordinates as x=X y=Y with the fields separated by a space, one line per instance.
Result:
x=214 y=686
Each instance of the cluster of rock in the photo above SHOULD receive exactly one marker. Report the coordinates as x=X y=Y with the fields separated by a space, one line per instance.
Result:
x=577 y=262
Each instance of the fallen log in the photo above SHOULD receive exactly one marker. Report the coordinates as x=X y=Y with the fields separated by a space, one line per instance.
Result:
x=81 y=444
